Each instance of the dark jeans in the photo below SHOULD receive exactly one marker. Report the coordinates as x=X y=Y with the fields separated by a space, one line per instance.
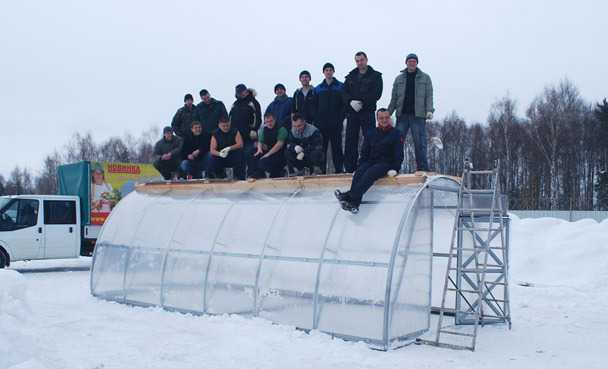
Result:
x=234 y=160
x=364 y=178
x=312 y=159
x=274 y=164
x=167 y=167
x=332 y=133
x=249 y=148
x=356 y=122
x=195 y=167
x=418 y=127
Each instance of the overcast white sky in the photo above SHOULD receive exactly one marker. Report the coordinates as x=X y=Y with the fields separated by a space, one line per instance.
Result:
x=115 y=66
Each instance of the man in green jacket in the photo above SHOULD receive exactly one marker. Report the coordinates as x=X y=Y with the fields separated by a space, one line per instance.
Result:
x=412 y=99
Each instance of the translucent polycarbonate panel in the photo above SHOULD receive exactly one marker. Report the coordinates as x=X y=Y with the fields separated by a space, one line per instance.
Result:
x=157 y=225
x=199 y=225
x=120 y=226
x=351 y=300
x=230 y=284
x=370 y=235
x=109 y=270
x=410 y=283
x=287 y=292
x=142 y=279
x=184 y=279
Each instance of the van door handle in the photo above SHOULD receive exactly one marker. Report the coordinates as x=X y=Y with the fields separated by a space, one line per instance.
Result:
x=71 y=229
x=39 y=229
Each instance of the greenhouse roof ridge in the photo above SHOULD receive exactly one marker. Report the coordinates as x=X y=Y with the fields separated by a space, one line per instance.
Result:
x=309 y=182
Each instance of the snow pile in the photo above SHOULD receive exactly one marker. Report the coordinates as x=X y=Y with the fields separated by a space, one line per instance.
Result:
x=16 y=347
x=555 y=252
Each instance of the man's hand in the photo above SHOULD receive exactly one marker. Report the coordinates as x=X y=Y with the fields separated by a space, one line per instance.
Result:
x=259 y=152
x=253 y=135
x=298 y=149
x=429 y=116
x=265 y=155
x=357 y=105
x=300 y=155
x=196 y=152
x=166 y=156
x=224 y=152
x=391 y=173
x=190 y=156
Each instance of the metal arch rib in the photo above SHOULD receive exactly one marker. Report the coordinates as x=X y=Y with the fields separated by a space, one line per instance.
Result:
x=261 y=258
x=315 y=308
x=217 y=234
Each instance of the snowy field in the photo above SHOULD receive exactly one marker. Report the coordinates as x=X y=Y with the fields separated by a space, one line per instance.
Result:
x=48 y=320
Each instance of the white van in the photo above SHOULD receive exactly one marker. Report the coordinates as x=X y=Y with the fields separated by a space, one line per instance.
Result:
x=39 y=227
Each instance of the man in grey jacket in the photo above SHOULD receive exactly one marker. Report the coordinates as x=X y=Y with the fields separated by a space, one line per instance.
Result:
x=412 y=99
x=167 y=154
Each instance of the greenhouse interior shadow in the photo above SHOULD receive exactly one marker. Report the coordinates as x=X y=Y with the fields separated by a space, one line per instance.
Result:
x=285 y=251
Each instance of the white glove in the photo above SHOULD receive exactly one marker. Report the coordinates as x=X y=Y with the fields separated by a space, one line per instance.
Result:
x=253 y=135
x=300 y=156
x=391 y=173
x=429 y=116
x=356 y=105
x=224 y=152
x=298 y=149
x=436 y=141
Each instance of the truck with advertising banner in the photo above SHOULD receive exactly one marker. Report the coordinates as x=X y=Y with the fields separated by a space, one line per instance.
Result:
x=66 y=225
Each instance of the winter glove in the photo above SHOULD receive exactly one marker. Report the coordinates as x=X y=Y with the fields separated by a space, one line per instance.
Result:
x=253 y=135
x=429 y=116
x=356 y=105
x=298 y=149
x=300 y=155
x=224 y=152
x=436 y=141
x=391 y=173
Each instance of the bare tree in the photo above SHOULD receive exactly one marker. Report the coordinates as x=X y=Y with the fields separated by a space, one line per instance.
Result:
x=46 y=182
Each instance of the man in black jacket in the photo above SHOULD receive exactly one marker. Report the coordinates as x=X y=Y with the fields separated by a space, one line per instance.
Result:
x=381 y=155
x=362 y=89
x=330 y=116
x=184 y=117
x=167 y=154
x=304 y=146
x=246 y=117
x=304 y=99
x=195 y=152
x=209 y=111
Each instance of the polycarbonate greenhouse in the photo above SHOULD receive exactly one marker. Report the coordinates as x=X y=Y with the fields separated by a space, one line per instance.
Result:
x=283 y=250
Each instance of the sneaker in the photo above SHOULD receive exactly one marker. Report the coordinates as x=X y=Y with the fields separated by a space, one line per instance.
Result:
x=349 y=206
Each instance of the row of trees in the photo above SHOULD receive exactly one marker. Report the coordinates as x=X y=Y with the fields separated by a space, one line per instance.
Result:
x=555 y=156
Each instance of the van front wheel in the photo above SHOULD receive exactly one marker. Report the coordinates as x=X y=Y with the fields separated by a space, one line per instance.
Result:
x=4 y=259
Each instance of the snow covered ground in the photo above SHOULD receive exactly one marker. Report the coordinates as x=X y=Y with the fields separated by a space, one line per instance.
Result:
x=49 y=320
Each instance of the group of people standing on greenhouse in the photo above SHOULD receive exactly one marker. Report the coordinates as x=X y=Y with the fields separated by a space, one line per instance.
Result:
x=294 y=134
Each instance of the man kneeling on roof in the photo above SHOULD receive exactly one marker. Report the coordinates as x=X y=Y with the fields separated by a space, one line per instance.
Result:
x=381 y=155
x=226 y=151
x=304 y=146
x=269 y=157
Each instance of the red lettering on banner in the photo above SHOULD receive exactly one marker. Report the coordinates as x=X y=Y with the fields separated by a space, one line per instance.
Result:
x=124 y=168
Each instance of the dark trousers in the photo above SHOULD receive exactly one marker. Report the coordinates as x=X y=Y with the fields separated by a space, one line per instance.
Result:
x=356 y=122
x=332 y=134
x=274 y=165
x=418 y=127
x=249 y=148
x=195 y=167
x=312 y=159
x=234 y=160
x=364 y=178
x=166 y=168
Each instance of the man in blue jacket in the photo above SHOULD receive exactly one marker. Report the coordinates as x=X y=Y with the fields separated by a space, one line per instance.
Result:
x=330 y=116
x=280 y=107
x=381 y=155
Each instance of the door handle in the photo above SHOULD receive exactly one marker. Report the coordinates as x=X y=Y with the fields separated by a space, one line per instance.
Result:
x=71 y=229
x=39 y=229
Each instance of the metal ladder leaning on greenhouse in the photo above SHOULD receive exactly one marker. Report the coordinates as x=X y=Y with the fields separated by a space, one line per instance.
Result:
x=478 y=300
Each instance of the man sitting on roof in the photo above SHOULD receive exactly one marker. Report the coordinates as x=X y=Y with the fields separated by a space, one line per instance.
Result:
x=381 y=155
